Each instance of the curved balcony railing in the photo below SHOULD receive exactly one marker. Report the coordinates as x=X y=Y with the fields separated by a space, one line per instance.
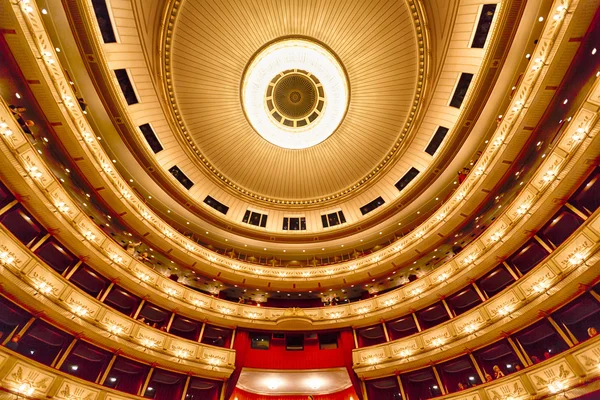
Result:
x=553 y=280
x=573 y=371
x=572 y=263
x=527 y=208
x=76 y=308
x=212 y=261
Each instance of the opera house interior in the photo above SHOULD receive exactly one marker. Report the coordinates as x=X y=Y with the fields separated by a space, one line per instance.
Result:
x=299 y=199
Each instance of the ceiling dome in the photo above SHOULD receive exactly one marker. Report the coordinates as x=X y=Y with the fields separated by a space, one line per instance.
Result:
x=213 y=46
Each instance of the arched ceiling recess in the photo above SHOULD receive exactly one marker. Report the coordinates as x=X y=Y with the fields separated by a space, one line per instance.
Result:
x=208 y=46
x=167 y=159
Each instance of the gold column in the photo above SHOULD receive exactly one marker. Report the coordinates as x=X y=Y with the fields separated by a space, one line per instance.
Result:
x=355 y=338
x=515 y=274
x=185 y=387
x=543 y=244
x=146 y=383
x=576 y=211
x=201 y=332
x=521 y=353
x=170 y=322
x=481 y=294
x=26 y=326
x=439 y=381
x=8 y=206
x=222 y=394
x=39 y=243
x=104 y=375
x=385 y=331
x=70 y=273
x=447 y=307
x=561 y=333
x=104 y=295
x=10 y=335
x=595 y=295
x=477 y=368
x=417 y=322
x=65 y=354
x=139 y=309
x=568 y=331
x=233 y=338
x=364 y=389
x=402 y=392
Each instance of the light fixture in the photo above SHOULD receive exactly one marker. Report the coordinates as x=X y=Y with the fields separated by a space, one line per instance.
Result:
x=80 y=310
x=62 y=207
x=556 y=386
x=470 y=328
x=44 y=287
x=6 y=258
x=314 y=383
x=149 y=343
x=180 y=353
x=34 y=172
x=89 y=236
x=26 y=389
x=295 y=93
x=74 y=367
x=405 y=353
x=273 y=383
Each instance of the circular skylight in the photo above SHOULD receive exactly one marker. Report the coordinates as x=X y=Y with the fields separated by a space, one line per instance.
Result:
x=295 y=93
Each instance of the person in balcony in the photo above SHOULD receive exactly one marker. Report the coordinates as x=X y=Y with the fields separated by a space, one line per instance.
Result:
x=461 y=386
x=592 y=332
x=488 y=377
x=14 y=343
x=497 y=372
x=130 y=247
x=145 y=258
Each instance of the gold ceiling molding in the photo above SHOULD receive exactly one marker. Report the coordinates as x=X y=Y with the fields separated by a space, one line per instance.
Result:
x=418 y=18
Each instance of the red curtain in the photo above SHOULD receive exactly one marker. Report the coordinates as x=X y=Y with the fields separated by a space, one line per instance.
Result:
x=346 y=345
x=343 y=395
x=241 y=346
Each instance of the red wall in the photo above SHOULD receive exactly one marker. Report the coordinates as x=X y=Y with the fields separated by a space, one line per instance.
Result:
x=343 y=395
x=277 y=357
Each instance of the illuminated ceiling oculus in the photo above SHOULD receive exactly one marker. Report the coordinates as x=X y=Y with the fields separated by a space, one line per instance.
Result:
x=295 y=93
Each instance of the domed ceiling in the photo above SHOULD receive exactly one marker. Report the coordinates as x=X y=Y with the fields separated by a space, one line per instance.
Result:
x=210 y=50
